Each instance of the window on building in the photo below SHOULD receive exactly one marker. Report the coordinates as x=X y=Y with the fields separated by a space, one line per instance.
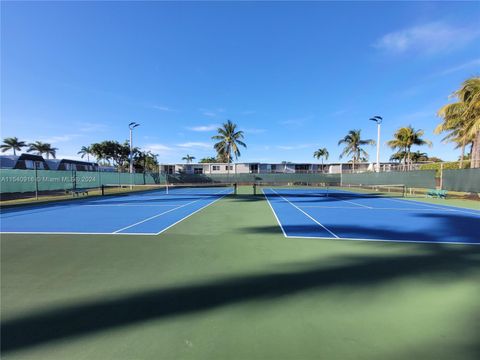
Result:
x=198 y=170
x=302 y=167
x=215 y=167
x=253 y=168
x=227 y=167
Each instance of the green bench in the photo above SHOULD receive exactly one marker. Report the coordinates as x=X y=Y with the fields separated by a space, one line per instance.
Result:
x=434 y=193
x=77 y=192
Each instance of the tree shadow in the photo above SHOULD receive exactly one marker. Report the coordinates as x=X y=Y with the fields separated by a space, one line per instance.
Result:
x=441 y=226
x=359 y=272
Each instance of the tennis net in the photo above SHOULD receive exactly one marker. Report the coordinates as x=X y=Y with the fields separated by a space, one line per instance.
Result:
x=171 y=189
x=325 y=190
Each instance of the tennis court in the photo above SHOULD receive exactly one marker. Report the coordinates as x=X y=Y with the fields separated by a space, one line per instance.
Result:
x=142 y=213
x=349 y=215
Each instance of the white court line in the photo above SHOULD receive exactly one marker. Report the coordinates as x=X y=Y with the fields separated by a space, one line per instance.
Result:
x=274 y=214
x=359 y=208
x=353 y=202
x=203 y=207
x=385 y=240
x=162 y=213
x=434 y=206
x=303 y=212
x=126 y=204
x=68 y=233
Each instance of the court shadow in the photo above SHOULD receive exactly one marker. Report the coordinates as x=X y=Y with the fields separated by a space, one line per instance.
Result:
x=446 y=227
x=355 y=274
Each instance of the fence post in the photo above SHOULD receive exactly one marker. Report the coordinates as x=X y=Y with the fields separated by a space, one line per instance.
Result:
x=74 y=179
x=36 y=180
x=441 y=176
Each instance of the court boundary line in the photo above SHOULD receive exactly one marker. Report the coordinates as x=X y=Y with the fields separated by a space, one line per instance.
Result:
x=68 y=233
x=437 y=206
x=373 y=208
x=384 y=240
x=163 y=213
x=275 y=214
x=110 y=233
x=150 y=205
x=421 y=203
x=196 y=211
x=355 y=203
x=305 y=213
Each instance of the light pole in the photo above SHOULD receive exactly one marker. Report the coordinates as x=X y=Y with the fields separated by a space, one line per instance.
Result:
x=131 y=126
x=378 y=120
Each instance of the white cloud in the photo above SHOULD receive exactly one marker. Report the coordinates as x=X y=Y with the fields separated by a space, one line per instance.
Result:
x=464 y=66
x=428 y=38
x=203 y=127
x=296 y=121
x=212 y=112
x=189 y=145
x=254 y=131
x=91 y=127
x=294 y=147
x=57 y=139
x=158 y=148
x=339 y=112
x=162 y=108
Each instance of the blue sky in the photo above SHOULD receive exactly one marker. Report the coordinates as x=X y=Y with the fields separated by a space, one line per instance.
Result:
x=294 y=76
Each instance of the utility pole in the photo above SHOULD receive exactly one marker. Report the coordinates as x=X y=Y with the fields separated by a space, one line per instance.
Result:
x=378 y=120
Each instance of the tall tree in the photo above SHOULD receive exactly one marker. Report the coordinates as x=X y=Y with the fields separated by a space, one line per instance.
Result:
x=353 y=146
x=462 y=118
x=207 y=160
x=406 y=137
x=111 y=150
x=85 y=151
x=41 y=148
x=229 y=141
x=145 y=161
x=321 y=154
x=188 y=158
x=12 y=143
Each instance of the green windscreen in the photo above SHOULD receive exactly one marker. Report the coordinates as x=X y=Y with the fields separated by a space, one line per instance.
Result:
x=254 y=178
x=21 y=181
x=414 y=179
x=466 y=180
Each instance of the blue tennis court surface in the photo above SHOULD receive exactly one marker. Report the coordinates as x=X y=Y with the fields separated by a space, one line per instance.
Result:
x=336 y=214
x=146 y=213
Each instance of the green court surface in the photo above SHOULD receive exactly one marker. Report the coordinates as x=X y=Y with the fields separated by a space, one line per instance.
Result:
x=226 y=284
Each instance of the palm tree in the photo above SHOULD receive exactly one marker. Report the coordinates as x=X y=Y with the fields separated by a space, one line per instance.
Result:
x=209 y=159
x=353 y=143
x=85 y=151
x=188 y=158
x=320 y=154
x=404 y=139
x=462 y=119
x=12 y=143
x=230 y=139
x=419 y=156
x=42 y=148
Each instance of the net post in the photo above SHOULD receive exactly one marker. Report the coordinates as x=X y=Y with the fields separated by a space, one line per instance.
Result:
x=36 y=180
x=254 y=188
x=441 y=176
x=103 y=190
x=234 y=188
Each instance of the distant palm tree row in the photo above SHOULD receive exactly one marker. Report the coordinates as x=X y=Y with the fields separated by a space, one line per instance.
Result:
x=461 y=123
x=461 y=120
x=37 y=147
x=404 y=139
